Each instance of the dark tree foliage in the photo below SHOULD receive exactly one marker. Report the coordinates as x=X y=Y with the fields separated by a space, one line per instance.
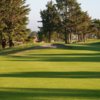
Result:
x=96 y=26
x=14 y=19
x=50 y=20
x=66 y=18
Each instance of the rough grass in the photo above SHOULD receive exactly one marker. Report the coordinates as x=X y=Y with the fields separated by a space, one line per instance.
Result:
x=51 y=74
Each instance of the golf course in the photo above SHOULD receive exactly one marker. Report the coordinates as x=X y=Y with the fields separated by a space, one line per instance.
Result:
x=70 y=72
x=49 y=50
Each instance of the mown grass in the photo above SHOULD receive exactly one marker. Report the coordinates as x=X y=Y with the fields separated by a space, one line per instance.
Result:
x=27 y=73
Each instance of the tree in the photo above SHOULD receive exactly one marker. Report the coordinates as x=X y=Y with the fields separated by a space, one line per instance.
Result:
x=50 y=20
x=68 y=10
x=73 y=19
x=15 y=18
x=83 y=26
x=2 y=16
x=96 y=24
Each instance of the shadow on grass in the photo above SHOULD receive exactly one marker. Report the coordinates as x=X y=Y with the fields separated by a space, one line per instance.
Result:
x=87 y=47
x=45 y=94
x=53 y=75
x=94 y=57
x=90 y=47
x=9 y=51
x=57 y=58
x=64 y=55
x=94 y=44
x=14 y=50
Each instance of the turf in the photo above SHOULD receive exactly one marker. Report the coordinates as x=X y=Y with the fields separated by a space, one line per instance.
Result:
x=27 y=73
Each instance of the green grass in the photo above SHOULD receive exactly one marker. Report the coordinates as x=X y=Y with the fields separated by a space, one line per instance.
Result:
x=51 y=74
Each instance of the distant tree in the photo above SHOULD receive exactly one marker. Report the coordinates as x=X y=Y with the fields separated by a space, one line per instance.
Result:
x=96 y=25
x=50 y=20
x=73 y=20
x=83 y=26
x=65 y=19
x=68 y=11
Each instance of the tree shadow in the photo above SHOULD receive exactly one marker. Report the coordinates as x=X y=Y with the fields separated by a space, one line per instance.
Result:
x=63 y=55
x=76 y=57
x=14 y=50
x=89 y=47
x=94 y=44
x=58 y=58
x=86 y=47
x=53 y=75
x=47 y=94
x=9 y=51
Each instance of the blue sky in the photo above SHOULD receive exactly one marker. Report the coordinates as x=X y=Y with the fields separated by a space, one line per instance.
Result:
x=92 y=6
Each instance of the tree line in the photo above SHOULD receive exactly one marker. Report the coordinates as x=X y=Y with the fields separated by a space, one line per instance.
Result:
x=64 y=19
x=61 y=21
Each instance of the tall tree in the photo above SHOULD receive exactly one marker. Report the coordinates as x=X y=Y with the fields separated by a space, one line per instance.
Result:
x=73 y=19
x=83 y=26
x=96 y=24
x=2 y=16
x=49 y=20
x=68 y=10
x=15 y=17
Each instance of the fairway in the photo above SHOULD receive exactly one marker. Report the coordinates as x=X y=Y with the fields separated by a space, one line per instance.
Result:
x=27 y=73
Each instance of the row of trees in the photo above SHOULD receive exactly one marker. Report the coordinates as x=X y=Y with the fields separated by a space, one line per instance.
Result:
x=60 y=21
x=65 y=19
x=13 y=21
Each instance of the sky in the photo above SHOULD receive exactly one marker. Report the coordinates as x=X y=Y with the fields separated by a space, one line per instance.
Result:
x=91 y=6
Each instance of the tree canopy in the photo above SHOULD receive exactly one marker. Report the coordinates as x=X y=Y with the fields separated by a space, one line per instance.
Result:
x=13 y=19
x=66 y=18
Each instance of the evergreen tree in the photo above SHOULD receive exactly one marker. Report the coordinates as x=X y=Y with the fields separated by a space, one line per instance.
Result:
x=68 y=10
x=50 y=20
x=83 y=26
x=96 y=24
x=15 y=18
x=2 y=16
x=73 y=19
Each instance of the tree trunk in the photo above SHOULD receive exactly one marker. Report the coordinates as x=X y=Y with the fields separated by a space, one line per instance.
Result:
x=0 y=37
x=66 y=38
x=70 y=38
x=2 y=41
x=98 y=35
x=79 y=38
x=84 y=37
x=49 y=37
x=11 y=44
